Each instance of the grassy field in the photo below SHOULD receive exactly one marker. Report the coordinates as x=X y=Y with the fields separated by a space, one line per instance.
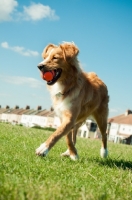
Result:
x=24 y=176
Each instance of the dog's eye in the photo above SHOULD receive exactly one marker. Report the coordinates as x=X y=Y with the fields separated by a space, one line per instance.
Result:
x=54 y=58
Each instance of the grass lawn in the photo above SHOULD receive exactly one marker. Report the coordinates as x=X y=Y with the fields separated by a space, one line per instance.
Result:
x=24 y=176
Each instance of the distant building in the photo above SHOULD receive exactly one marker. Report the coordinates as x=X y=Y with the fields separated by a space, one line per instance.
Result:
x=2 y=110
x=12 y=115
x=120 y=128
x=88 y=130
x=29 y=117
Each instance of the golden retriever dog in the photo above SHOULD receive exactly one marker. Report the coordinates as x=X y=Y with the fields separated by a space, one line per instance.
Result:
x=76 y=95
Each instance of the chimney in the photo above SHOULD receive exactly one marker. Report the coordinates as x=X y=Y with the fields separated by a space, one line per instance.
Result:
x=39 y=108
x=16 y=107
x=128 y=112
x=27 y=107
x=51 y=109
x=7 y=107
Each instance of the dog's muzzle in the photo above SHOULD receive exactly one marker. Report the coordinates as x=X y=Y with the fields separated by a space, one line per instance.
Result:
x=57 y=73
x=42 y=68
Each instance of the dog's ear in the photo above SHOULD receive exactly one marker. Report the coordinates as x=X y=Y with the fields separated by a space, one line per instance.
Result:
x=70 y=50
x=47 y=48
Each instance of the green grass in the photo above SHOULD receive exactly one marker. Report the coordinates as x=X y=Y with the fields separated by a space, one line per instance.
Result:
x=24 y=176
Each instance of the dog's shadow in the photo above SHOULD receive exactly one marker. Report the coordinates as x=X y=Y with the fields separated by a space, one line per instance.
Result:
x=115 y=163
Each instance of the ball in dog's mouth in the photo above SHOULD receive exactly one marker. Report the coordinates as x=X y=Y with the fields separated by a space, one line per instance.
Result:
x=48 y=76
x=51 y=76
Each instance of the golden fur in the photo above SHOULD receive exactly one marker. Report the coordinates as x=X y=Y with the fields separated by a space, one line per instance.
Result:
x=75 y=95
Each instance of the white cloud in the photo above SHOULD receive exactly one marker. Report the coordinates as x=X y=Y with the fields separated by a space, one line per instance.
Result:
x=20 y=50
x=5 y=45
x=19 y=80
x=38 y=11
x=7 y=8
x=34 y=12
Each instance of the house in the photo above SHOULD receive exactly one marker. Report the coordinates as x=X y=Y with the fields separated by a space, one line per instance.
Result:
x=42 y=118
x=4 y=116
x=13 y=115
x=120 y=128
x=88 y=130
x=2 y=110
x=45 y=118
x=29 y=117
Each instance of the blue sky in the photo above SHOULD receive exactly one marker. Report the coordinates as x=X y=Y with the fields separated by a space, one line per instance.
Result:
x=102 y=29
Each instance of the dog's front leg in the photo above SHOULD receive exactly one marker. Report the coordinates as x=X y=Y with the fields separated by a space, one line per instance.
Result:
x=67 y=124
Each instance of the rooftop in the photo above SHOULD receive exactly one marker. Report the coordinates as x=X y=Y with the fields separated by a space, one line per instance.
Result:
x=27 y=111
x=125 y=118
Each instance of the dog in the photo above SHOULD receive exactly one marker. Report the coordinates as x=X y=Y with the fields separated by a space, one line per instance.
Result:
x=76 y=95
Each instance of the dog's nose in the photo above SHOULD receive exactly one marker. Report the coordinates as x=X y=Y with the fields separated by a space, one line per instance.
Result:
x=41 y=67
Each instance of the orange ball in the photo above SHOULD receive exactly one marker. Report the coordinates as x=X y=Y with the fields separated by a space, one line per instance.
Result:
x=48 y=76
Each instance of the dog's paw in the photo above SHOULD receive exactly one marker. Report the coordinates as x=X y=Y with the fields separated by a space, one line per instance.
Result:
x=42 y=150
x=103 y=152
x=74 y=157
x=66 y=153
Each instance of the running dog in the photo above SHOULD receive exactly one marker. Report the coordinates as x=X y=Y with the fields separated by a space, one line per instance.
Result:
x=76 y=95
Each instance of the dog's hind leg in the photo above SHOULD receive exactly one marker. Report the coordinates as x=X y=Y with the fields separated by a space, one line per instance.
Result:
x=72 y=137
x=71 y=151
x=71 y=148
x=74 y=132
x=101 y=119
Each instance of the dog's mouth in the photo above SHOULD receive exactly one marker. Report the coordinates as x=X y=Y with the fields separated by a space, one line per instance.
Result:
x=51 y=76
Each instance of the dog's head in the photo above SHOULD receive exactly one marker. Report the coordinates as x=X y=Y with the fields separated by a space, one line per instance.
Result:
x=59 y=61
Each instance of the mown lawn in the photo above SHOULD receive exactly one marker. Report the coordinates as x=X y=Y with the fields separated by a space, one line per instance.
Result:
x=24 y=176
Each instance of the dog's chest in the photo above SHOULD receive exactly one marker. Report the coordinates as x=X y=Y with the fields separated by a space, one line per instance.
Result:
x=62 y=105
x=59 y=102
